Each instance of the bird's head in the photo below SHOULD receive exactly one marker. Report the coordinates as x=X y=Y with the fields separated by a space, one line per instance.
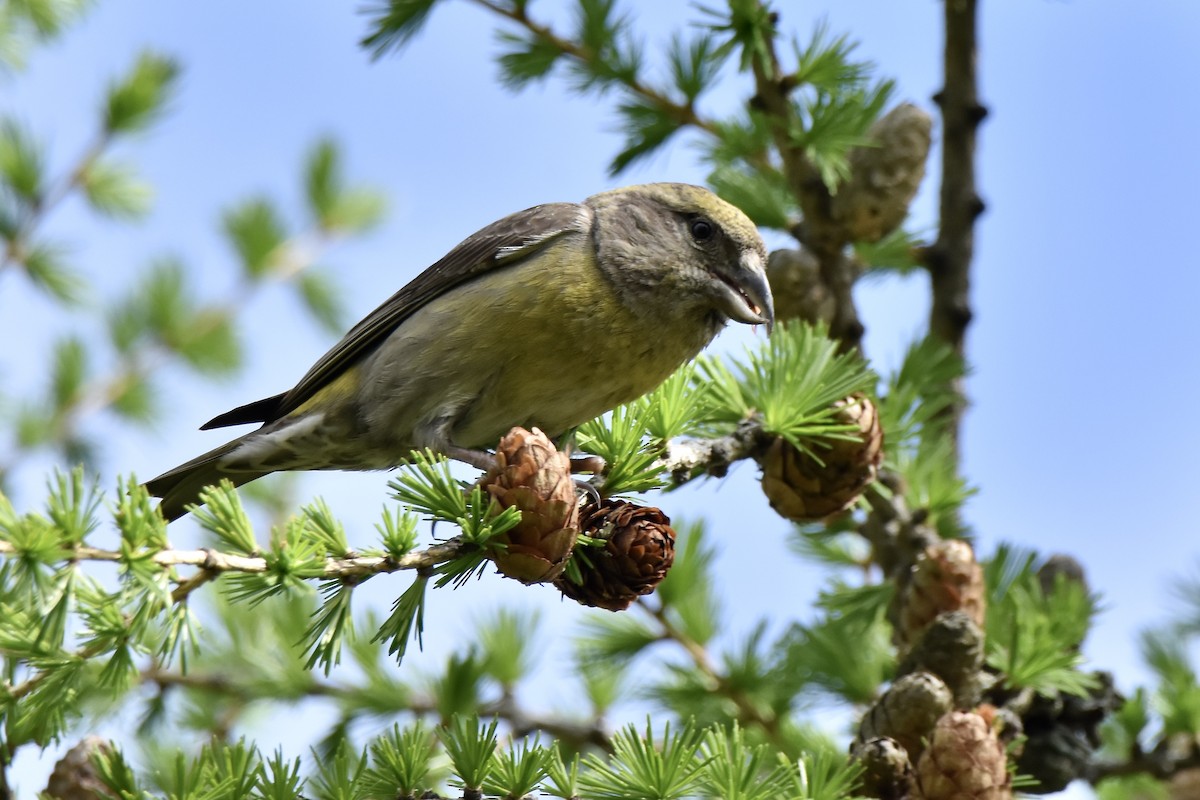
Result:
x=680 y=246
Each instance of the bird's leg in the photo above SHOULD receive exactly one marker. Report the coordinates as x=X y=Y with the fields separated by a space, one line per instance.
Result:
x=438 y=439
x=480 y=459
x=584 y=463
x=436 y=436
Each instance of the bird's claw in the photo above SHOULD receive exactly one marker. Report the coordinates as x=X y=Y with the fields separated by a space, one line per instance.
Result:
x=586 y=489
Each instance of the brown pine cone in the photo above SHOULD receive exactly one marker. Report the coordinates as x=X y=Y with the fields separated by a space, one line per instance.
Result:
x=797 y=288
x=1063 y=732
x=885 y=176
x=802 y=488
x=944 y=578
x=964 y=760
x=1061 y=564
x=908 y=711
x=533 y=476
x=1185 y=784
x=951 y=647
x=887 y=770
x=74 y=776
x=639 y=549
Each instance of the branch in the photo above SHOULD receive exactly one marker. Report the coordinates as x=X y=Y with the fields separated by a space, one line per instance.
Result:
x=748 y=711
x=575 y=734
x=689 y=458
x=818 y=231
x=213 y=563
x=683 y=113
x=217 y=562
x=15 y=252
x=1161 y=763
x=896 y=534
x=949 y=258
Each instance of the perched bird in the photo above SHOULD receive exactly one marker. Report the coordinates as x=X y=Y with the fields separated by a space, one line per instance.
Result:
x=548 y=317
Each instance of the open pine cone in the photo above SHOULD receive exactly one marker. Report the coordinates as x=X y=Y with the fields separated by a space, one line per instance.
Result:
x=907 y=711
x=945 y=577
x=75 y=776
x=887 y=770
x=802 y=488
x=639 y=549
x=885 y=175
x=1185 y=784
x=964 y=760
x=533 y=476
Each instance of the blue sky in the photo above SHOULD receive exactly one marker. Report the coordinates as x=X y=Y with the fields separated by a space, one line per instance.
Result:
x=1080 y=436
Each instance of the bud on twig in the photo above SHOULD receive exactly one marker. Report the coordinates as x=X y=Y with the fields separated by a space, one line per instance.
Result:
x=1061 y=564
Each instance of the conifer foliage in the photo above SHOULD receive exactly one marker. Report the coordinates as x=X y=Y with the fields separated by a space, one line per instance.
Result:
x=961 y=671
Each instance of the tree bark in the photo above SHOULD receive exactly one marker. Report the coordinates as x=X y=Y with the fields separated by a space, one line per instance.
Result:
x=949 y=259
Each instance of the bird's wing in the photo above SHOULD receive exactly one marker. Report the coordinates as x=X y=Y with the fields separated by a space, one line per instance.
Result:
x=500 y=244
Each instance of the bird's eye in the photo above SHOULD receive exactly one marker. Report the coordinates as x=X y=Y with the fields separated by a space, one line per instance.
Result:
x=701 y=229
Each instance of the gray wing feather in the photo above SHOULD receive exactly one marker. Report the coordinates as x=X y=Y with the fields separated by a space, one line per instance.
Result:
x=503 y=243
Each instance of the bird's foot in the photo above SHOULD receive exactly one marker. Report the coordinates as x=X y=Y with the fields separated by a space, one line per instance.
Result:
x=586 y=489
x=584 y=463
x=592 y=464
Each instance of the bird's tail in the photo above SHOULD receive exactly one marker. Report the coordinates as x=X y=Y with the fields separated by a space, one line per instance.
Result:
x=181 y=486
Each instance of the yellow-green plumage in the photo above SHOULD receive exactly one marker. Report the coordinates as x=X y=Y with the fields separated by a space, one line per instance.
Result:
x=548 y=318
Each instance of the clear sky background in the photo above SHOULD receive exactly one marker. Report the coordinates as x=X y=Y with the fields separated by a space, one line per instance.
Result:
x=1081 y=436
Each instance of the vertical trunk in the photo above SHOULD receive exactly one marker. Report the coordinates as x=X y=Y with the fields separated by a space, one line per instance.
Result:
x=949 y=260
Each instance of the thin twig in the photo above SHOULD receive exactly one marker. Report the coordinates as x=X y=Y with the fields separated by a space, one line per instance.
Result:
x=522 y=722
x=15 y=248
x=17 y=691
x=292 y=257
x=684 y=114
x=748 y=711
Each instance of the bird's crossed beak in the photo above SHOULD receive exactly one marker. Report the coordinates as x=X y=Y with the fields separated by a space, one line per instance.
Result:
x=743 y=293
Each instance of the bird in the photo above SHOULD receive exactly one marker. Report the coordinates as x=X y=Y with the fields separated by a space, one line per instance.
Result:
x=548 y=317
